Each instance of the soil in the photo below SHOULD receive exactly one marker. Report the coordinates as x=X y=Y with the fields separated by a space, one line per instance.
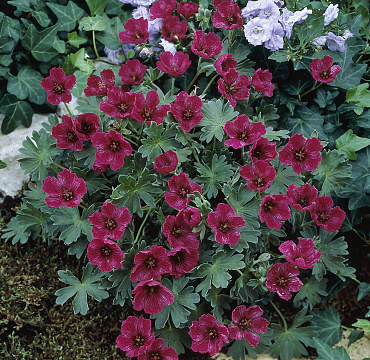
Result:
x=32 y=326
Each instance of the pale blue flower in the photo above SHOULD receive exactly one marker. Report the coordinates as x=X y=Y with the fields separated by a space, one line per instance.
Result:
x=331 y=14
x=168 y=46
x=257 y=31
x=114 y=55
x=268 y=10
x=276 y=41
x=335 y=43
x=319 y=41
x=138 y=2
x=300 y=16
x=286 y=24
x=347 y=34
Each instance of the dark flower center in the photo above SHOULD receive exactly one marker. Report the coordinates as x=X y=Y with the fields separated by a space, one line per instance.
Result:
x=268 y=206
x=245 y=323
x=212 y=334
x=150 y=262
x=101 y=83
x=224 y=228
x=176 y=231
x=122 y=108
x=183 y=192
x=105 y=251
x=58 y=88
x=115 y=146
x=300 y=155
x=155 y=356
x=259 y=182
x=110 y=224
x=227 y=65
x=242 y=136
x=257 y=153
x=231 y=19
x=322 y=216
x=303 y=201
x=187 y=115
x=325 y=75
x=152 y=289
x=85 y=128
x=147 y=116
x=71 y=136
x=67 y=195
x=281 y=281
x=139 y=340
x=179 y=257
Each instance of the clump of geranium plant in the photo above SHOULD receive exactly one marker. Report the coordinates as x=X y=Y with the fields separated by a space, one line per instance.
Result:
x=180 y=188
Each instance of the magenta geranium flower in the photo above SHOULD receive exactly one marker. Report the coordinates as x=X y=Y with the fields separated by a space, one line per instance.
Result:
x=261 y=80
x=325 y=216
x=173 y=28
x=303 y=197
x=110 y=222
x=323 y=70
x=283 y=278
x=147 y=110
x=158 y=351
x=234 y=87
x=302 y=154
x=259 y=176
x=136 y=31
x=111 y=148
x=179 y=233
x=182 y=260
x=151 y=296
x=132 y=72
x=119 y=104
x=228 y=16
x=301 y=255
x=105 y=254
x=180 y=187
x=162 y=8
x=65 y=134
x=263 y=149
x=208 y=335
x=136 y=336
x=225 y=224
x=187 y=9
x=166 y=162
x=86 y=125
x=243 y=133
x=99 y=167
x=67 y=190
x=174 y=65
x=187 y=110
x=98 y=86
x=247 y=323
x=206 y=45
x=150 y=264
x=58 y=86
x=274 y=209
x=192 y=216
x=224 y=63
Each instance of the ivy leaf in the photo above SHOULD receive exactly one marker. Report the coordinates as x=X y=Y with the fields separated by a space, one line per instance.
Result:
x=217 y=273
x=349 y=143
x=363 y=324
x=285 y=176
x=289 y=342
x=96 y=6
x=175 y=337
x=3 y=165
x=215 y=115
x=40 y=152
x=79 y=61
x=359 y=96
x=96 y=23
x=159 y=140
x=355 y=336
x=80 y=288
x=109 y=37
x=327 y=353
x=76 y=40
x=305 y=122
x=131 y=191
x=357 y=193
x=211 y=177
x=184 y=299
x=325 y=99
x=328 y=325
x=27 y=84
x=310 y=292
x=16 y=113
x=363 y=290
x=8 y=33
x=76 y=224
x=333 y=172
x=67 y=15
x=40 y=43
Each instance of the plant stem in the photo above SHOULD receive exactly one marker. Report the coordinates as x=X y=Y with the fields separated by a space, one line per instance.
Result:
x=94 y=44
x=190 y=147
x=68 y=109
x=280 y=314
x=302 y=219
x=209 y=84
x=309 y=223
x=142 y=226
x=173 y=86
x=314 y=87
x=195 y=76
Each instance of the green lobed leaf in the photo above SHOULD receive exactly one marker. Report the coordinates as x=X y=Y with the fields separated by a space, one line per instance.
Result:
x=41 y=17
x=359 y=96
x=27 y=84
x=3 y=164
x=363 y=324
x=96 y=23
x=357 y=193
x=109 y=37
x=219 y=302
x=363 y=290
x=333 y=172
x=325 y=99
x=9 y=35
x=327 y=353
x=310 y=292
x=348 y=144
x=80 y=61
x=16 y=232
x=67 y=15
x=285 y=176
x=40 y=43
x=328 y=325
x=76 y=40
x=175 y=337
x=215 y=115
x=81 y=288
x=16 y=113
x=96 y=6
x=355 y=336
